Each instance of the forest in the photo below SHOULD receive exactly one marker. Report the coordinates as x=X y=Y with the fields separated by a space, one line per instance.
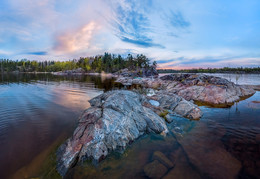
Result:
x=108 y=63
x=214 y=70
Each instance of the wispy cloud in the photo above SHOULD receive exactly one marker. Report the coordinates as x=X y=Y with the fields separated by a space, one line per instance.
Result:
x=132 y=25
x=174 y=33
x=164 y=61
x=210 y=61
x=175 y=23
x=177 y=20
x=36 y=53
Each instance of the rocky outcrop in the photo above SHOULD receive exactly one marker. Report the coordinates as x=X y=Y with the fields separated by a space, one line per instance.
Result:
x=78 y=71
x=114 y=119
x=205 y=89
x=255 y=87
x=139 y=72
x=176 y=104
x=154 y=83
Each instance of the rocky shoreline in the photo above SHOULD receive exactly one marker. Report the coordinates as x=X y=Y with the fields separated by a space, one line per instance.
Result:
x=203 y=89
x=114 y=120
x=117 y=118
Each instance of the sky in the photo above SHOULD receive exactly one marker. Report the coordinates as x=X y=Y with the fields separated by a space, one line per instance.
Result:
x=177 y=34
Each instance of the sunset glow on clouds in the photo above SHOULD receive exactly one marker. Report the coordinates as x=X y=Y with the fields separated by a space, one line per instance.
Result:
x=177 y=34
x=74 y=41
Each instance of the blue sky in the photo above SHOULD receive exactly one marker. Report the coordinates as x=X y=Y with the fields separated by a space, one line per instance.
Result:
x=175 y=33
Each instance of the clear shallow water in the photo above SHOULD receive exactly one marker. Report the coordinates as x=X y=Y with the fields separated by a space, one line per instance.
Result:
x=39 y=111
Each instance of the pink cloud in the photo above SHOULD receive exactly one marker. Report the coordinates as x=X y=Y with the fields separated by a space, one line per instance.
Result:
x=76 y=40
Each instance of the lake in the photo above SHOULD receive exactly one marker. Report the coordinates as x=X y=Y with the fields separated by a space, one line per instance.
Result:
x=39 y=112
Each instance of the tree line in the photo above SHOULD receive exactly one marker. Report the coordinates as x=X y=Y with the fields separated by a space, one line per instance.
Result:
x=107 y=63
x=213 y=70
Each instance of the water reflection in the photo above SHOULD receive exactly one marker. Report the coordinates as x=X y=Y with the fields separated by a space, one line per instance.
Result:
x=241 y=79
x=37 y=112
x=36 y=109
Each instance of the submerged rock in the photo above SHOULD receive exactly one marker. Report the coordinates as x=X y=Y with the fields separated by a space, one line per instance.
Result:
x=155 y=169
x=182 y=171
x=182 y=168
x=206 y=152
x=202 y=88
x=157 y=155
x=114 y=119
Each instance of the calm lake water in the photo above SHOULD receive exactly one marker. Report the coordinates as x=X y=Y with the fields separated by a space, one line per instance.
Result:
x=38 y=112
x=243 y=79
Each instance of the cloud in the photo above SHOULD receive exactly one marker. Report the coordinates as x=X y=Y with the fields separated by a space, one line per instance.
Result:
x=4 y=53
x=132 y=25
x=174 y=33
x=175 y=24
x=144 y=43
x=177 y=20
x=211 y=61
x=164 y=61
x=37 y=53
x=76 y=40
x=203 y=60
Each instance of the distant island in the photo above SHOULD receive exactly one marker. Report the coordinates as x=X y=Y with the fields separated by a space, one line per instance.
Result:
x=109 y=63
x=238 y=70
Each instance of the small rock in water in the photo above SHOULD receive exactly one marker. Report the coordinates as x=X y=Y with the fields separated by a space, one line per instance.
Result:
x=182 y=171
x=155 y=169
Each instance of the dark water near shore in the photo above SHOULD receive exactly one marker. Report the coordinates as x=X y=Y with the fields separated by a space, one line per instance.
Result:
x=37 y=112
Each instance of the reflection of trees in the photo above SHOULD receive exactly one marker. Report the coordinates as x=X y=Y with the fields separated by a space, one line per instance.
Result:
x=97 y=81
x=237 y=77
x=237 y=111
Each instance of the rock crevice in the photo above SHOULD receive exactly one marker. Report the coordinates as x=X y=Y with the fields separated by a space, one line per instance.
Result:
x=202 y=88
x=114 y=119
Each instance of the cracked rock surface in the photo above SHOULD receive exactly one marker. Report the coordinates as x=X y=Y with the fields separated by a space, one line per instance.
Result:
x=114 y=119
x=206 y=89
x=177 y=104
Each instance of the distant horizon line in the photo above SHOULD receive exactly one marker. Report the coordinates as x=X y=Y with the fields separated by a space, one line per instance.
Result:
x=134 y=55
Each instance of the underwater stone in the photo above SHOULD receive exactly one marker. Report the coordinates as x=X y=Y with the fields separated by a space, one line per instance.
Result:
x=155 y=169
